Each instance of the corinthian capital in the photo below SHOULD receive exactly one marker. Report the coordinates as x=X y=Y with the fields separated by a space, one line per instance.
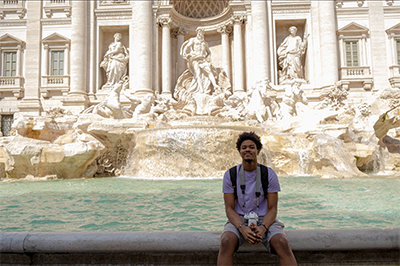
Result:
x=182 y=31
x=239 y=18
x=225 y=29
x=164 y=21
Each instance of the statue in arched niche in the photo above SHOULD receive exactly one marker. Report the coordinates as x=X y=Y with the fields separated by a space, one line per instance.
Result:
x=290 y=54
x=200 y=88
x=198 y=55
x=115 y=61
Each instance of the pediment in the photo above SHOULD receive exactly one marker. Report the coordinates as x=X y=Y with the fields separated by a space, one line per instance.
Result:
x=9 y=39
x=56 y=38
x=395 y=29
x=352 y=29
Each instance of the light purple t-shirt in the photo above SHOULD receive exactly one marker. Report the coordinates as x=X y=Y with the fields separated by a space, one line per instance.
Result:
x=249 y=195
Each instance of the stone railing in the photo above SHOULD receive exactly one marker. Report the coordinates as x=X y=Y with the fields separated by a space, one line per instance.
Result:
x=54 y=83
x=12 y=84
x=394 y=76
x=57 y=2
x=113 y=2
x=10 y=2
x=355 y=72
x=394 y=71
x=316 y=247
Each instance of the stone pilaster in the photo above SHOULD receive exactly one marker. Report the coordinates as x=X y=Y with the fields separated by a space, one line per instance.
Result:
x=226 y=57
x=166 y=62
x=380 y=69
x=261 y=49
x=141 y=47
x=238 y=85
x=77 y=95
x=30 y=104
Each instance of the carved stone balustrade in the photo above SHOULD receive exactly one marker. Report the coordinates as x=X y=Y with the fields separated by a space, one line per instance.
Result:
x=12 y=6
x=54 y=83
x=12 y=84
x=394 y=76
x=356 y=74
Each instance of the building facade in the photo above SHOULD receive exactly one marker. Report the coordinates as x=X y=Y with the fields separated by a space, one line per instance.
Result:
x=57 y=53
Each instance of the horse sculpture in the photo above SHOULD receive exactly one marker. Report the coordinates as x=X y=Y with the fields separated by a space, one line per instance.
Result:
x=261 y=105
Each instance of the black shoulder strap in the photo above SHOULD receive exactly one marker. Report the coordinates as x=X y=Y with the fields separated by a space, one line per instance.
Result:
x=233 y=173
x=264 y=179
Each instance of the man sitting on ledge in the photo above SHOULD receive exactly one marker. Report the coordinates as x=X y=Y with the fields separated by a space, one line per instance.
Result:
x=246 y=197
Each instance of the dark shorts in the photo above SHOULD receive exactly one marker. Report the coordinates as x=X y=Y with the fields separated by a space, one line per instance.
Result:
x=275 y=228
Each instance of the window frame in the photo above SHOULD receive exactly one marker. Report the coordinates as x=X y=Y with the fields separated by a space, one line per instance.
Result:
x=4 y=63
x=52 y=69
x=353 y=43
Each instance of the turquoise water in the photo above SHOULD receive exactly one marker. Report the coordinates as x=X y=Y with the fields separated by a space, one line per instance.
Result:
x=122 y=204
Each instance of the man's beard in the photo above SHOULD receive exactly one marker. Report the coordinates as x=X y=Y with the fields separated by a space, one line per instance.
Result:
x=248 y=160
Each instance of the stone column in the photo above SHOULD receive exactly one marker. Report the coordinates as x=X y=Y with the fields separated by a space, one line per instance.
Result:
x=226 y=54
x=181 y=63
x=77 y=99
x=380 y=69
x=30 y=104
x=78 y=49
x=238 y=85
x=166 y=63
x=328 y=42
x=260 y=40
x=141 y=47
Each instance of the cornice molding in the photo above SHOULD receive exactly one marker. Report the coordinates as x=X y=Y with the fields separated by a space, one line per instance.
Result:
x=13 y=22
x=58 y=21
x=352 y=11
x=121 y=12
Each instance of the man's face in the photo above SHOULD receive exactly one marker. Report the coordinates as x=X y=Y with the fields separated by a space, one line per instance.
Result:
x=248 y=151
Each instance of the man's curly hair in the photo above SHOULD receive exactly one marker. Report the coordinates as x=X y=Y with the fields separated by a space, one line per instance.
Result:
x=248 y=136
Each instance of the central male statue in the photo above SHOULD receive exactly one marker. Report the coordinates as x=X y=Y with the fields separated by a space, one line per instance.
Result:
x=251 y=205
x=197 y=52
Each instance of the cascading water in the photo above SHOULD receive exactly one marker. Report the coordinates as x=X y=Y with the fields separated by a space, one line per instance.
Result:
x=205 y=147
x=195 y=148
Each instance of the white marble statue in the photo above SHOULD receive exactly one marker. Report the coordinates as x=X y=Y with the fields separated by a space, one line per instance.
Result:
x=198 y=56
x=293 y=95
x=290 y=54
x=115 y=61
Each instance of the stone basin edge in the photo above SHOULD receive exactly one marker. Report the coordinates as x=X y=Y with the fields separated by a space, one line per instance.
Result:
x=100 y=242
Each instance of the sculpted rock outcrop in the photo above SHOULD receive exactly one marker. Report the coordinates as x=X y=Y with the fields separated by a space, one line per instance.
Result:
x=68 y=157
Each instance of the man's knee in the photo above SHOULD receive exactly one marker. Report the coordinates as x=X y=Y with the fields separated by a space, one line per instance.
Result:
x=229 y=242
x=280 y=244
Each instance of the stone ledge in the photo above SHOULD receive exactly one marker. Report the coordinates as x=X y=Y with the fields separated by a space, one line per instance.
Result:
x=324 y=247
